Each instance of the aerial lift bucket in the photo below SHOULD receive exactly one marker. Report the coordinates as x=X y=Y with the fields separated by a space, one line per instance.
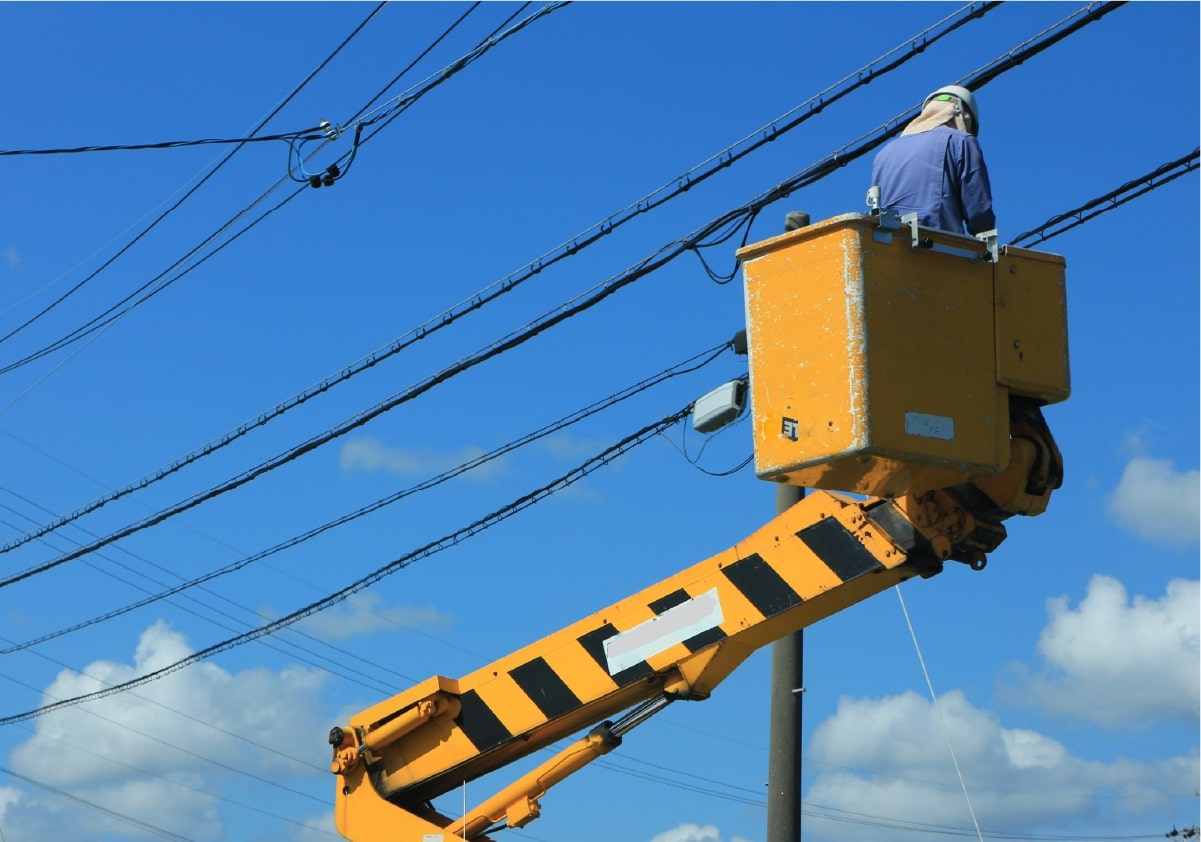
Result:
x=884 y=356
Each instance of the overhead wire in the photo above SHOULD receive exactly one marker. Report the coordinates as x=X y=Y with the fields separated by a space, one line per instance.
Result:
x=145 y=827
x=1165 y=173
x=429 y=549
x=235 y=769
x=693 y=363
x=1067 y=837
x=385 y=114
x=337 y=665
x=114 y=312
x=311 y=133
x=173 y=781
x=263 y=122
x=432 y=45
x=323 y=130
x=233 y=735
x=874 y=821
x=1112 y=200
x=333 y=666
x=594 y=296
x=835 y=814
x=452 y=539
x=681 y=184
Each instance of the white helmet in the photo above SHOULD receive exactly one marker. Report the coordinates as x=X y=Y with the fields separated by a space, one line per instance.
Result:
x=963 y=95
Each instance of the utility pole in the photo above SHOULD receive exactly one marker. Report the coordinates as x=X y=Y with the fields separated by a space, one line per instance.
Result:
x=787 y=657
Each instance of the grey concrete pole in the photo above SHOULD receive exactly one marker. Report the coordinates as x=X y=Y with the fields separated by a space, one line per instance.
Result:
x=787 y=658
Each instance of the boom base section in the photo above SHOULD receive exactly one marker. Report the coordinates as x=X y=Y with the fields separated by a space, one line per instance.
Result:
x=677 y=639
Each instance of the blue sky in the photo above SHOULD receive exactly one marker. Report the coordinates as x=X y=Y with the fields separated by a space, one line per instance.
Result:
x=1067 y=672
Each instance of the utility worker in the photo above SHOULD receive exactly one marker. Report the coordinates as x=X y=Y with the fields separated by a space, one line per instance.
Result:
x=936 y=169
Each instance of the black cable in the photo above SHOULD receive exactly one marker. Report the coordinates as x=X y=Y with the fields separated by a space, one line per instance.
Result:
x=415 y=62
x=520 y=504
x=1091 y=13
x=334 y=172
x=198 y=184
x=1014 y=58
x=348 y=675
x=729 y=471
x=745 y=224
x=519 y=337
x=403 y=102
x=306 y=765
x=312 y=133
x=145 y=827
x=1113 y=199
x=98 y=322
x=587 y=300
x=216 y=763
x=682 y=183
x=101 y=320
x=72 y=747
x=685 y=367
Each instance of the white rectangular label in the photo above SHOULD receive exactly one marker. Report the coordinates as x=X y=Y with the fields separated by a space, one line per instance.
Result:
x=675 y=625
x=930 y=426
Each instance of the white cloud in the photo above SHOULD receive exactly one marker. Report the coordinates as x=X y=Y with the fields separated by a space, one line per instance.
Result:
x=132 y=809
x=1135 y=660
x=365 y=613
x=368 y=454
x=1016 y=778
x=316 y=829
x=162 y=753
x=567 y=447
x=12 y=258
x=1157 y=502
x=689 y=832
x=8 y=795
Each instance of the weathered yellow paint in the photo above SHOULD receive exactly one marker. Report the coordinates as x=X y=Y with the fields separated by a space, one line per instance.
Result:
x=903 y=371
x=1032 y=324
x=438 y=755
x=877 y=368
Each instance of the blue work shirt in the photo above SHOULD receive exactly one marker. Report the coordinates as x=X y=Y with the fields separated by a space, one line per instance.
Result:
x=940 y=175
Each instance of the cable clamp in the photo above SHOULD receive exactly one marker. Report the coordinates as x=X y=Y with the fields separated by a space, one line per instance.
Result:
x=330 y=131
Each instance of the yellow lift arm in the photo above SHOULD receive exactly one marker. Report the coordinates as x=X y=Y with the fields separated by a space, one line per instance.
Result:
x=945 y=470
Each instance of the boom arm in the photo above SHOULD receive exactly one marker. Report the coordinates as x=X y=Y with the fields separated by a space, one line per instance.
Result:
x=677 y=639
x=846 y=394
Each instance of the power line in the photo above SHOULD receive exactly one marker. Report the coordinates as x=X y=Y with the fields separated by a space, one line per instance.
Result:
x=743 y=215
x=677 y=186
x=174 y=782
x=311 y=133
x=566 y=311
x=1057 y=837
x=203 y=723
x=425 y=53
x=114 y=312
x=340 y=667
x=488 y=521
x=402 y=102
x=835 y=814
x=145 y=827
x=687 y=366
x=198 y=184
x=1110 y=201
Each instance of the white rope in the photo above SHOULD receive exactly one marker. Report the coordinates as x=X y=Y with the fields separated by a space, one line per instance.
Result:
x=938 y=710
